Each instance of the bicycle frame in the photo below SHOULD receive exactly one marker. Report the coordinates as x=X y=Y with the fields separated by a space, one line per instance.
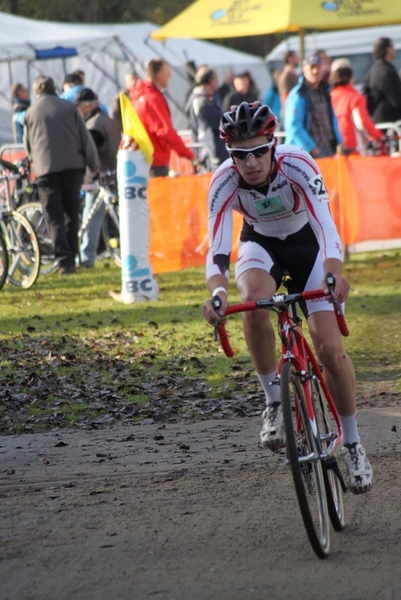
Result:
x=294 y=346
x=296 y=349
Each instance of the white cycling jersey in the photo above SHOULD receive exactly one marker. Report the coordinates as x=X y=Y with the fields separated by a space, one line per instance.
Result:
x=296 y=195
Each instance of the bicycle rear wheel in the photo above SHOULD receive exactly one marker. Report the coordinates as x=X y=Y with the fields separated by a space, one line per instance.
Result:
x=33 y=211
x=3 y=260
x=111 y=232
x=23 y=250
x=332 y=476
x=302 y=445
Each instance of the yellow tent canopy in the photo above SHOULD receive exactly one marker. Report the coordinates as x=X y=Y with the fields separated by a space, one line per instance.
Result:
x=209 y=19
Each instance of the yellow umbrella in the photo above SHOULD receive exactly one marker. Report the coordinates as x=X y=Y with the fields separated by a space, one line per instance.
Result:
x=209 y=19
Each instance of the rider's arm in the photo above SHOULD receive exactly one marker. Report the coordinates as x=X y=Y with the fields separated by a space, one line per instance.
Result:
x=220 y=204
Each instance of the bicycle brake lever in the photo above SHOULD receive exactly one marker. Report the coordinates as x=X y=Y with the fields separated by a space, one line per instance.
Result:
x=330 y=282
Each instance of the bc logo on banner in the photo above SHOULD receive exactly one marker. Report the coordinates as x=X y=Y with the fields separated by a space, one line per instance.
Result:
x=138 y=283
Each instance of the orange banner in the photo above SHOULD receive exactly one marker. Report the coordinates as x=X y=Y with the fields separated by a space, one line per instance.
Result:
x=365 y=199
x=178 y=222
x=369 y=196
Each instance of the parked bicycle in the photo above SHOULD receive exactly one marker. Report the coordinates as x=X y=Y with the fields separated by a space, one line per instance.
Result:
x=312 y=425
x=111 y=221
x=20 y=193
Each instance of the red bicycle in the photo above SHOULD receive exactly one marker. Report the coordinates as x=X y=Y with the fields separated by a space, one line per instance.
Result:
x=311 y=422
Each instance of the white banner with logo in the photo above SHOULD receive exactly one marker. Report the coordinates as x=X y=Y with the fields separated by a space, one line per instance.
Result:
x=138 y=283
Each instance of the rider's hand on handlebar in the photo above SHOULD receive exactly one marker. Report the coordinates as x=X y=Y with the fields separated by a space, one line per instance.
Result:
x=212 y=314
x=341 y=288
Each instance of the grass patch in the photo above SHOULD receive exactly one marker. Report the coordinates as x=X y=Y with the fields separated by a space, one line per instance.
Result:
x=73 y=356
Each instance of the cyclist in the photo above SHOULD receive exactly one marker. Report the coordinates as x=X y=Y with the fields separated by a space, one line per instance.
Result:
x=287 y=224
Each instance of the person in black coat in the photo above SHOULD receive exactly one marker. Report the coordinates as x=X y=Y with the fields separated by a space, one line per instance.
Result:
x=383 y=85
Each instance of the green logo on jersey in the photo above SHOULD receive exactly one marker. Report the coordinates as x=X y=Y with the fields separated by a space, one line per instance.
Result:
x=269 y=207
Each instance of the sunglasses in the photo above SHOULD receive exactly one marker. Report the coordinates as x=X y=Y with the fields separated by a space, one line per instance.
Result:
x=256 y=152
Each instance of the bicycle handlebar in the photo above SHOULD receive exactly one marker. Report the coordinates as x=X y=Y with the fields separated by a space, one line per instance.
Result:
x=278 y=301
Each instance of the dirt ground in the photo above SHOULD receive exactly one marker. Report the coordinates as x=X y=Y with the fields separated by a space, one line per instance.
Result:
x=187 y=511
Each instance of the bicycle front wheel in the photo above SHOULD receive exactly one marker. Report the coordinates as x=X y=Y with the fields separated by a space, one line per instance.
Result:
x=111 y=232
x=3 y=260
x=23 y=250
x=332 y=476
x=303 y=455
x=33 y=211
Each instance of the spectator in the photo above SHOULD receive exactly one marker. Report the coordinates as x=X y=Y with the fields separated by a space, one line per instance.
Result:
x=153 y=110
x=204 y=109
x=130 y=80
x=72 y=84
x=59 y=146
x=272 y=96
x=81 y=75
x=227 y=87
x=310 y=122
x=242 y=93
x=383 y=85
x=354 y=122
x=107 y=138
x=326 y=64
x=288 y=77
x=20 y=101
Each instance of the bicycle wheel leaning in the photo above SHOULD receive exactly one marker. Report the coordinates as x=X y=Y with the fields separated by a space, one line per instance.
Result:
x=334 y=482
x=3 y=261
x=23 y=250
x=303 y=449
x=33 y=211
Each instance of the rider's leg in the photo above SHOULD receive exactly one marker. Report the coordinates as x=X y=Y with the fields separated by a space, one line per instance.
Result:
x=338 y=369
x=339 y=374
x=255 y=284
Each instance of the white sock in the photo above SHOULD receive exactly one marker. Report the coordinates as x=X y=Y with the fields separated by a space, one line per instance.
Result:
x=349 y=427
x=272 y=392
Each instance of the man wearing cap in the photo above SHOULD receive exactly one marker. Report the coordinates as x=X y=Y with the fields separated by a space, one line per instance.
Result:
x=60 y=147
x=107 y=138
x=309 y=120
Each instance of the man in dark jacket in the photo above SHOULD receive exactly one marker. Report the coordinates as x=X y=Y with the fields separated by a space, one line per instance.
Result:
x=205 y=112
x=107 y=138
x=60 y=147
x=383 y=85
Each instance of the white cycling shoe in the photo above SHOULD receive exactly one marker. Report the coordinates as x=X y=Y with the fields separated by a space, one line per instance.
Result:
x=272 y=435
x=360 y=472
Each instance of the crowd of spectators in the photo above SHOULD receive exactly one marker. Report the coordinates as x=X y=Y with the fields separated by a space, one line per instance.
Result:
x=317 y=106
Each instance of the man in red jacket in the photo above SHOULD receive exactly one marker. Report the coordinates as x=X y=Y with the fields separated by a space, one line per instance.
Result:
x=154 y=113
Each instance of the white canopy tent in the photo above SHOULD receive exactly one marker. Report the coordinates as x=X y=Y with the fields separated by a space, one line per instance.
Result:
x=106 y=53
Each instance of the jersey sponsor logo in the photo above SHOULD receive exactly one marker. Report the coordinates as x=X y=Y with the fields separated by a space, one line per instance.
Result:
x=279 y=186
x=220 y=188
x=269 y=207
x=303 y=174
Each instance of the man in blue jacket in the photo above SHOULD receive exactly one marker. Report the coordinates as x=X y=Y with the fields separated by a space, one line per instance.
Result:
x=309 y=120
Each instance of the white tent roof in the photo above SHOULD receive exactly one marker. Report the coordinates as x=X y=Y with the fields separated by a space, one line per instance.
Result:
x=22 y=38
x=106 y=53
